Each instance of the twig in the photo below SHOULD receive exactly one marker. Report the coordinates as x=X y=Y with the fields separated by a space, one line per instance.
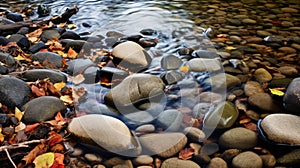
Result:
x=20 y=145
x=8 y=155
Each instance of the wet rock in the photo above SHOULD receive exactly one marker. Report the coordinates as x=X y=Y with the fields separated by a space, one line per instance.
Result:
x=76 y=45
x=14 y=92
x=111 y=73
x=261 y=75
x=147 y=42
x=205 y=54
x=247 y=159
x=117 y=161
x=91 y=75
x=171 y=77
x=248 y=21
x=37 y=47
x=290 y=159
x=288 y=70
x=78 y=65
x=210 y=97
x=229 y=154
x=200 y=109
x=170 y=62
x=278 y=132
x=163 y=144
x=291 y=97
x=223 y=116
x=202 y=159
x=70 y=35
x=7 y=59
x=23 y=31
x=115 y=136
x=4 y=120
x=170 y=120
x=252 y=87
x=147 y=128
x=3 y=70
x=263 y=33
x=204 y=65
x=209 y=149
x=222 y=81
x=48 y=57
x=194 y=134
x=178 y=163
x=289 y=10
x=16 y=17
x=42 y=109
x=92 y=158
x=238 y=138
x=264 y=102
x=217 y=163
x=139 y=87
x=43 y=10
x=269 y=160
x=143 y=160
x=3 y=41
x=287 y=50
x=138 y=118
x=50 y=34
x=21 y=40
x=131 y=55
x=40 y=74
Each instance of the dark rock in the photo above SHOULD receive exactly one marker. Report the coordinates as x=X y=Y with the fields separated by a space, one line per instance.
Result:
x=42 y=109
x=50 y=34
x=48 y=57
x=76 y=45
x=264 y=102
x=111 y=41
x=84 y=24
x=134 y=38
x=91 y=75
x=4 y=120
x=70 y=35
x=16 y=17
x=209 y=149
x=7 y=59
x=170 y=62
x=205 y=54
x=14 y=92
x=291 y=97
x=147 y=42
x=4 y=21
x=148 y=32
x=21 y=40
x=23 y=31
x=78 y=65
x=111 y=73
x=290 y=159
x=37 y=47
x=3 y=70
x=43 y=10
x=3 y=41
x=40 y=74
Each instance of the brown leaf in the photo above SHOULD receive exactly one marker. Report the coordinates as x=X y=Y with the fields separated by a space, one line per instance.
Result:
x=38 y=91
x=55 y=138
x=186 y=153
x=251 y=126
x=245 y=121
x=31 y=127
x=39 y=149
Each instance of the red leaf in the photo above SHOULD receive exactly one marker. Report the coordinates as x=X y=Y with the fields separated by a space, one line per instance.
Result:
x=55 y=139
x=58 y=161
x=39 y=92
x=31 y=127
x=186 y=153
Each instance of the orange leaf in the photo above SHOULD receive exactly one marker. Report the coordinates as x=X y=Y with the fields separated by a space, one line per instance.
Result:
x=39 y=149
x=58 y=161
x=55 y=139
x=31 y=127
x=59 y=118
x=245 y=120
x=251 y=126
x=38 y=92
x=72 y=54
x=186 y=153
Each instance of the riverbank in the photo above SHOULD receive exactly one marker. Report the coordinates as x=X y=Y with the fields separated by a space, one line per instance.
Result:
x=223 y=96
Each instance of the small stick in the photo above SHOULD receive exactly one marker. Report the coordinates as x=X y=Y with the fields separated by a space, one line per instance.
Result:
x=20 y=145
x=11 y=161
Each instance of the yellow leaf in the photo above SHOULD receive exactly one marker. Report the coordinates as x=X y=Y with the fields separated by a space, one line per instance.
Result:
x=61 y=25
x=184 y=68
x=230 y=48
x=71 y=26
x=59 y=85
x=276 y=92
x=18 y=114
x=45 y=160
x=20 y=58
x=1 y=137
x=62 y=54
x=67 y=99
x=72 y=54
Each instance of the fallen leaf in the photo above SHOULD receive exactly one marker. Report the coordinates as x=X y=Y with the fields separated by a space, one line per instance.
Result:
x=1 y=136
x=31 y=127
x=62 y=54
x=38 y=91
x=186 y=153
x=276 y=92
x=20 y=127
x=244 y=121
x=59 y=85
x=59 y=118
x=184 y=68
x=230 y=48
x=39 y=149
x=61 y=25
x=71 y=53
x=55 y=138
x=45 y=160
x=71 y=26
x=58 y=161
x=67 y=99
x=78 y=79
x=251 y=126
x=18 y=114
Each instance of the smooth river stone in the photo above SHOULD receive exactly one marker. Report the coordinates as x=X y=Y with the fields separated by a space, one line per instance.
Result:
x=222 y=81
x=282 y=128
x=40 y=74
x=204 y=65
x=290 y=159
x=247 y=160
x=178 y=163
x=252 y=87
x=264 y=102
x=42 y=109
x=170 y=62
x=170 y=120
x=7 y=59
x=133 y=89
x=262 y=75
x=50 y=57
x=224 y=116
x=131 y=55
x=96 y=130
x=163 y=144
x=291 y=97
x=14 y=92
x=238 y=138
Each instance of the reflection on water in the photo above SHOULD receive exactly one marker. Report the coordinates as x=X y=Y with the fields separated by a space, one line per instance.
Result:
x=128 y=16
